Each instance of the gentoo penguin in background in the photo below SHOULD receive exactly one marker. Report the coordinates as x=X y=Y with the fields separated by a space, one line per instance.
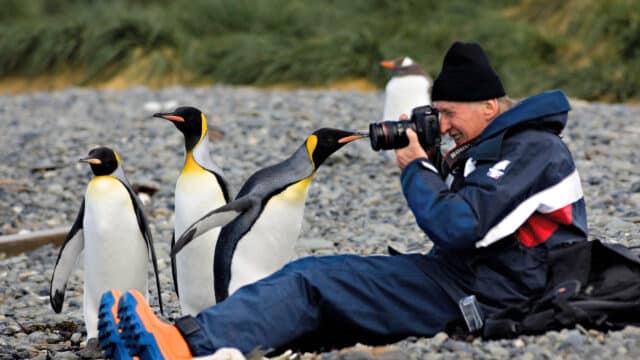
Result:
x=199 y=189
x=262 y=224
x=114 y=236
x=408 y=88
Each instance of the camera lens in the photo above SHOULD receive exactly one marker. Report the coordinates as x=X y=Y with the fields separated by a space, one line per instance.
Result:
x=376 y=136
x=388 y=135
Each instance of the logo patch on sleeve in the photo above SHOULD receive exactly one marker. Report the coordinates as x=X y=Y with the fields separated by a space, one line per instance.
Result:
x=497 y=170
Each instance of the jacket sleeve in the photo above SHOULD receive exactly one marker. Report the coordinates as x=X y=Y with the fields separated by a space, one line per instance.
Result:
x=493 y=191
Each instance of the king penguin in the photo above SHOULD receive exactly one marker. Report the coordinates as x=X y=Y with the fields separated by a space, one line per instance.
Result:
x=260 y=227
x=408 y=88
x=199 y=189
x=113 y=236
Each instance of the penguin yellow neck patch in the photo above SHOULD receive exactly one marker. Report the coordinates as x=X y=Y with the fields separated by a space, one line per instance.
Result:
x=103 y=186
x=312 y=142
x=191 y=165
x=297 y=192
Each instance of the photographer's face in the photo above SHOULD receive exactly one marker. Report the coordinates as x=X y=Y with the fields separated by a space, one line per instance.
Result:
x=464 y=121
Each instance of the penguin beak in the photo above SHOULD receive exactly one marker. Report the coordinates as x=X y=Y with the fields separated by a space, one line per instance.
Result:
x=389 y=64
x=90 y=160
x=169 y=116
x=350 y=138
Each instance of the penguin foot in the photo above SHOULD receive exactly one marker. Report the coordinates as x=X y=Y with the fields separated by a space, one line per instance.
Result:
x=108 y=333
x=144 y=334
x=91 y=350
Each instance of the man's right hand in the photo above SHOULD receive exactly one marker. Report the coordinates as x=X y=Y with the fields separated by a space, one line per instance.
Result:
x=412 y=151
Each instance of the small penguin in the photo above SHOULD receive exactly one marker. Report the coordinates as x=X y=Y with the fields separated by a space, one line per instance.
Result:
x=409 y=87
x=261 y=226
x=112 y=234
x=199 y=189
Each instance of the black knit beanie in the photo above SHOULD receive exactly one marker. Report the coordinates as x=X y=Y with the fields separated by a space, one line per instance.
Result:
x=466 y=75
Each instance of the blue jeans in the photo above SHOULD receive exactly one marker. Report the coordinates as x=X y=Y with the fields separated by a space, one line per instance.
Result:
x=327 y=302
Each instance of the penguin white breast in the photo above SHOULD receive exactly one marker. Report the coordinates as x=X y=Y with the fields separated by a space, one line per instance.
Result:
x=403 y=93
x=270 y=243
x=197 y=193
x=115 y=252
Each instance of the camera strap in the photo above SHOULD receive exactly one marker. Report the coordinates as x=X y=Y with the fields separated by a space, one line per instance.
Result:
x=454 y=158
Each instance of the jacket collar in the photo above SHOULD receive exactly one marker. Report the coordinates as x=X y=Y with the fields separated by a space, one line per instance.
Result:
x=547 y=110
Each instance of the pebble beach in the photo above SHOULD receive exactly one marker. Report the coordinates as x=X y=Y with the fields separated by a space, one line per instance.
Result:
x=354 y=204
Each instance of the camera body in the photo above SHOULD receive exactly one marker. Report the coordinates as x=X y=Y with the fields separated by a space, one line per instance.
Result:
x=388 y=134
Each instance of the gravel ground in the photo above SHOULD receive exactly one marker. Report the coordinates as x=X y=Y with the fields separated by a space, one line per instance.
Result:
x=354 y=204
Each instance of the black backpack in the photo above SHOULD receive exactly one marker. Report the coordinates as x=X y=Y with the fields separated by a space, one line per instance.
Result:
x=593 y=284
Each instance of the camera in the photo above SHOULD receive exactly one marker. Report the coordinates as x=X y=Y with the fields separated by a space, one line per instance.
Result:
x=387 y=135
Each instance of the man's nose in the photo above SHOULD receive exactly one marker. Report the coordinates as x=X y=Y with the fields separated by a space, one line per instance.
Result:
x=445 y=126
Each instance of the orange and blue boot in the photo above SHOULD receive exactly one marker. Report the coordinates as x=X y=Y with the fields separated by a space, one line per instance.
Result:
x=108 y=333
x=144 y=334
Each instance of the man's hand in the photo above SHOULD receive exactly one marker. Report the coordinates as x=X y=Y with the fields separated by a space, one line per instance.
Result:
x=410 y=152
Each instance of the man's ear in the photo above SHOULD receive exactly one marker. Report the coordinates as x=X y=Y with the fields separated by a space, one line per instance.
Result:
x=490 y=109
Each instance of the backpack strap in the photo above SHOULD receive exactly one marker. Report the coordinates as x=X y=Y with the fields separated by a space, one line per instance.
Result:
x=567 y=315
x=536 y=315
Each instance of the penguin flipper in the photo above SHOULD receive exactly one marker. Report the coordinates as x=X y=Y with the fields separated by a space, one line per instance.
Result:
x=224 y=185
x=67 y=259
x=146 y=234
x=215 y=218
x=174 y=269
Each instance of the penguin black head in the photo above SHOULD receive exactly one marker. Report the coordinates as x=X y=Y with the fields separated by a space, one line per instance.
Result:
x=403 y=66
x=190 y=121
x=103 y=161
x=324 y=142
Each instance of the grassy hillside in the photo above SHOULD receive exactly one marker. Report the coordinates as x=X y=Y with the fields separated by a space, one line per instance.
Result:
x=590 y=49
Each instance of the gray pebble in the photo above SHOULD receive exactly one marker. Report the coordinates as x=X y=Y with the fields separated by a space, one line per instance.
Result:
x=76 y=338
x=65 y=355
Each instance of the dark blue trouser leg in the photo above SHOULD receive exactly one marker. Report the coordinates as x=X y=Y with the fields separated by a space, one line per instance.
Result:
x=328 y=302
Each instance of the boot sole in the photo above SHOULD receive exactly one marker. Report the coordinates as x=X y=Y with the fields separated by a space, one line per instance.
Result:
x=108 y=334
x=136 y=338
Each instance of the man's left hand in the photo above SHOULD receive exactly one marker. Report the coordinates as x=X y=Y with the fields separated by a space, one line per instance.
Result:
x=410 y=152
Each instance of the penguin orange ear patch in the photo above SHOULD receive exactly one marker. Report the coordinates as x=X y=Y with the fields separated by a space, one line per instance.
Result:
x=312 y=142
x=117 y=157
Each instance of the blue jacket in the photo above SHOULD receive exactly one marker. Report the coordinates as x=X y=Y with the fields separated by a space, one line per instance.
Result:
x=517 y=194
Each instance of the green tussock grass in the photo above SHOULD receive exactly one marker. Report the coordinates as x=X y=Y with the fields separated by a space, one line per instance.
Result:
x=590 y=49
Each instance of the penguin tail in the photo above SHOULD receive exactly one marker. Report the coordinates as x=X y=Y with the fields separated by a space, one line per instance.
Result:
x=393 y=251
